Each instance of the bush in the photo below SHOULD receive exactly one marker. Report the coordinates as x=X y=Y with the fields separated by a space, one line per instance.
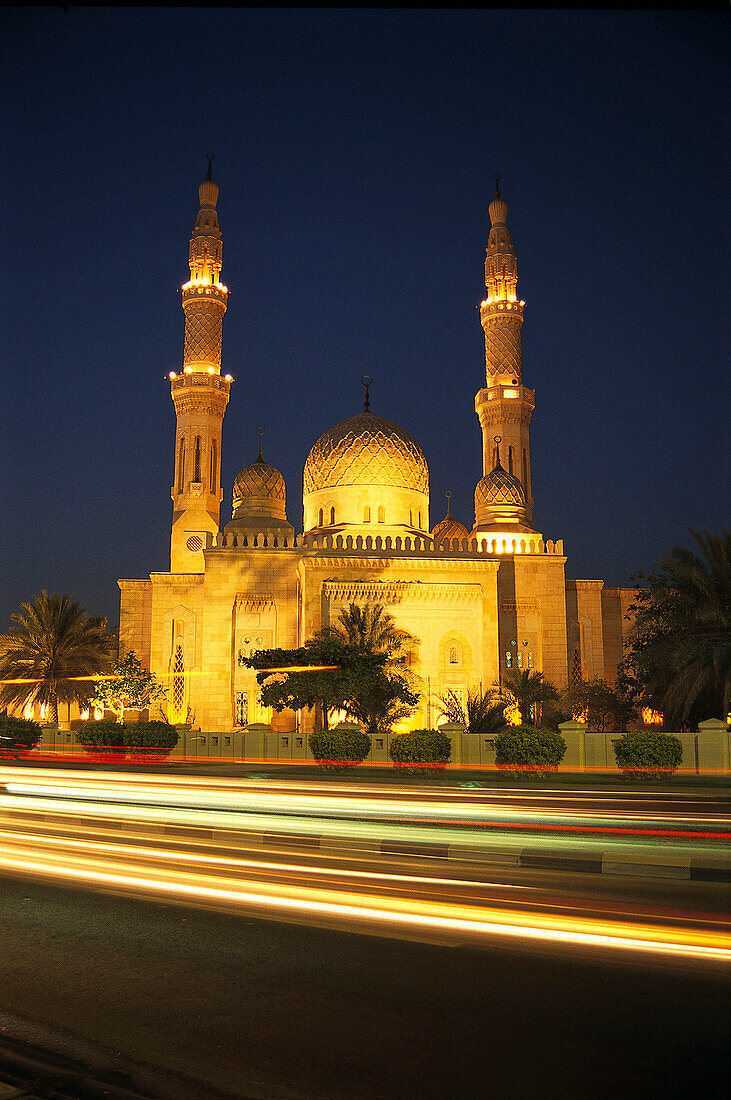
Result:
x=645 y=754
x=529 y=749
x=18 y=733
x=136 y=738
x=101 y=736
x=152 y=738
x=420 y=747
x=340 y=747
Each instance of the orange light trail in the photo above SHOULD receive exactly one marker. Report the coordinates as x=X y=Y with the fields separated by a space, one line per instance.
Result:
x=389 y=915
x=301 y=668
x=139 y=843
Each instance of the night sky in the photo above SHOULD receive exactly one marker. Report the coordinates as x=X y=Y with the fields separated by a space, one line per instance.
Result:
x=355 y=153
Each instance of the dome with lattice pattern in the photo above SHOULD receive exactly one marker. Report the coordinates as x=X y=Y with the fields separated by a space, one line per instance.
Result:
x=259 y=497
x=449 y=527
x=366 y=450
x=500 y=501
x=366 y=473
x=499 y=488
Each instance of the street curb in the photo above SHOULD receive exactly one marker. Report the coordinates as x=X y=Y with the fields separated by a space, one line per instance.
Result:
x=613 y=861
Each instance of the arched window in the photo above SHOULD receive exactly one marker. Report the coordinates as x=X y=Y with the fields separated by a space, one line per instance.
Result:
x=420 y=521
x=178 y=680
x=321 y=518
x=181 y=466
x=526 y=486
x=411 y=518
x=214 y=464
x=454 y=655
x=508 y=659
x=197 y=466
x=332 y=515
x=367 y=513
x=576 y=676
x=242 y=708
x=381 y=514
x=510 y=460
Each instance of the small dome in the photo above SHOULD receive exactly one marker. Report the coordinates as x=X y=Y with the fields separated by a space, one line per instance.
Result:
x=449 y=527
x=366 y=450
x=259 y=491
x=499 y=488
x=500 y=501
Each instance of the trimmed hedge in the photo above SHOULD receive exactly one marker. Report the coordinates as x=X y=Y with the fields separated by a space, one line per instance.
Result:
x=529 y=748
x=146 y=737
x=18 y=733
x=339 y=747
x=646 y=754
x=135 y=738
x=420 y=747
x=101 y=736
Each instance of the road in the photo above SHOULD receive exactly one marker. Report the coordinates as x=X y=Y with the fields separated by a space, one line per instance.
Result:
x=132 y=916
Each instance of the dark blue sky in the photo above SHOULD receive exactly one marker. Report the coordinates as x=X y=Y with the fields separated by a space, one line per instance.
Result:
x=355 y=152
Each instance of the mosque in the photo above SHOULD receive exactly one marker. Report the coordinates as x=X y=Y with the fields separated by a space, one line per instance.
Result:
x=478 y=601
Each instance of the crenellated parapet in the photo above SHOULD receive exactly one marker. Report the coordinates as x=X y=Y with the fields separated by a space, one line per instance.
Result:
x=497 y=546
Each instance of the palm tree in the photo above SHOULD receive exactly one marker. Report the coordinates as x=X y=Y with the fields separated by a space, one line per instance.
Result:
x=372 y=628
x=43 y=658
x=679 y=651
x=526 y=689
x=482 y=714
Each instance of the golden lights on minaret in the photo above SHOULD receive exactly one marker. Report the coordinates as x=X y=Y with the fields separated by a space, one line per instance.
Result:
x=200 y=393
x=505 y=405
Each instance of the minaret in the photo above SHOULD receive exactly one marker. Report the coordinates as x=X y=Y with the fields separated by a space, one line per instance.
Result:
x=200 y=394
x=505 y=406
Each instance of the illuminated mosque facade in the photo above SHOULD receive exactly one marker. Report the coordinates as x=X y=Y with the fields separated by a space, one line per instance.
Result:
x=478 y=601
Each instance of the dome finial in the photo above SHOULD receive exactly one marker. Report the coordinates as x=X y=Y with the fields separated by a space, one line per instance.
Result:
x=496 y=177
x=260 y=433
x=209 y=175
x=448 y=495
x=366 y=382
x=498 y=440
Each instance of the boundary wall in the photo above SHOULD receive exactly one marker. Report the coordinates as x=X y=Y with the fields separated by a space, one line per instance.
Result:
x=708 y=750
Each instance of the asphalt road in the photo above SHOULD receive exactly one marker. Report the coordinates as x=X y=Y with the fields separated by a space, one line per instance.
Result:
x=273 y=1011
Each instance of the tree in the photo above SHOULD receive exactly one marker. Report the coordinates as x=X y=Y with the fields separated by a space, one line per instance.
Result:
x=482 y=714
x=358 y=682
x=525 y=689
x=53 y=654
x=678 y=655
x=131 y=686
x=371 y=629
x=598 y=704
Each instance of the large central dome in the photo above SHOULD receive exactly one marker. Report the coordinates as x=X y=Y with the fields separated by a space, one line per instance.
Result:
x=366 y=450
x=366 y=470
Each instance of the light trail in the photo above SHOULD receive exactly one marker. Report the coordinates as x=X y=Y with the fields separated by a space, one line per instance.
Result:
x=360 y=806
x=95 y=829
x=389 y=915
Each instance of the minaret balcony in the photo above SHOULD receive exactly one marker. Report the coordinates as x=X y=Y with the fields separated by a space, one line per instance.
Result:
x=206 y=376
x=212 y=292
x=508 y=393
x=501 y=307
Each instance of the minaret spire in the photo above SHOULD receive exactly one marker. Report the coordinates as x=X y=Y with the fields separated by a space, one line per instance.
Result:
x=505 y=404
x=200 y=394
